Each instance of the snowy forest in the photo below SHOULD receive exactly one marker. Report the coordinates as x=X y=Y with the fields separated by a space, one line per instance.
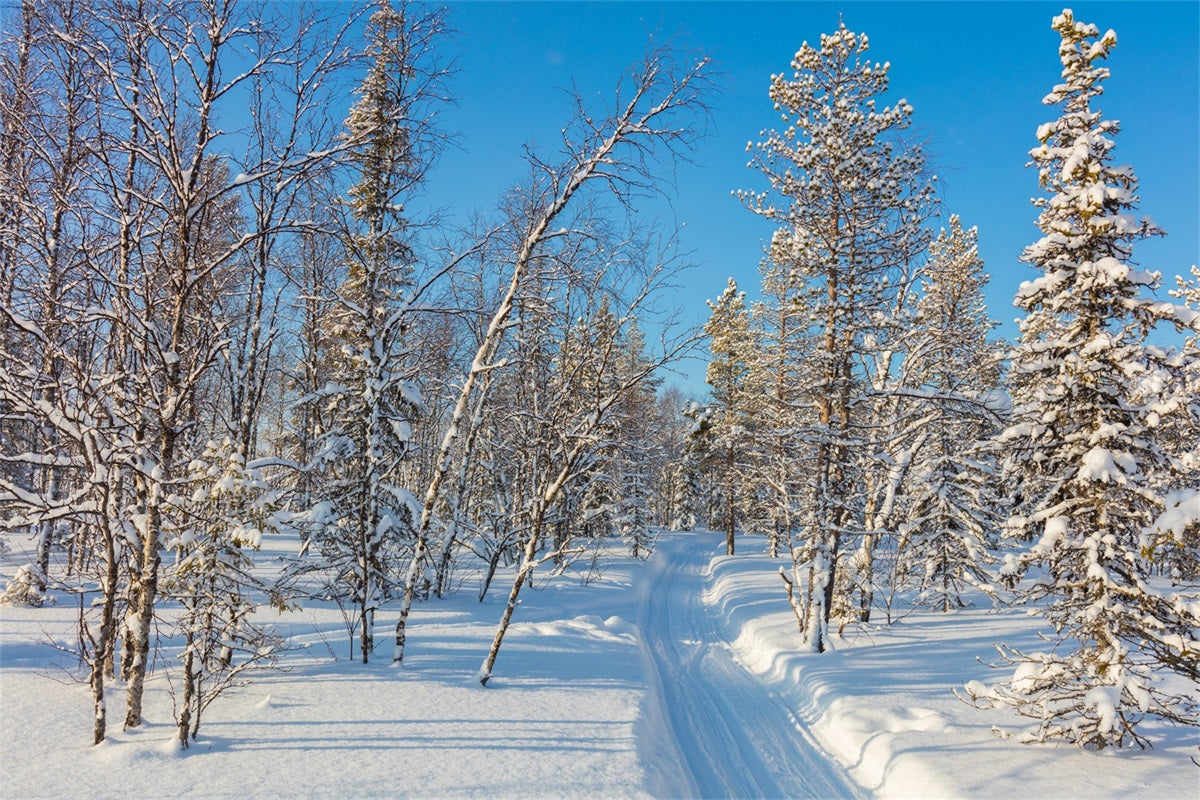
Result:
x=246 y=369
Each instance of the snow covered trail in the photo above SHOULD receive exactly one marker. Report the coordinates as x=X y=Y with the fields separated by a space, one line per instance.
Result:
x=734 y=735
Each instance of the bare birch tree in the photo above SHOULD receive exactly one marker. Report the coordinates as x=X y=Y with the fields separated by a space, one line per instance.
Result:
x=614 y=151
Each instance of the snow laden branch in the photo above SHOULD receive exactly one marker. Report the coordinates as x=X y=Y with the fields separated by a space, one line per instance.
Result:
x=133 y=243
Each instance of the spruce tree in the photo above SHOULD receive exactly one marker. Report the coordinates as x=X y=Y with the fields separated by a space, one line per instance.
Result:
x=952 y=514
x=635 y=445
x=692 y=501
x=1085 y=448
x=1174 y=540
x=363 y=518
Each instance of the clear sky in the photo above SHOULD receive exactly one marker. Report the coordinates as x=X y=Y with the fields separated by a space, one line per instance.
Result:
x=974 y=71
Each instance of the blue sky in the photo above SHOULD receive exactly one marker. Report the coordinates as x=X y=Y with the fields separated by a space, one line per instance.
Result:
x=974 y=71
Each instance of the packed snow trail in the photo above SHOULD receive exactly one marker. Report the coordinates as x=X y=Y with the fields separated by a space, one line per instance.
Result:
x=734 y=736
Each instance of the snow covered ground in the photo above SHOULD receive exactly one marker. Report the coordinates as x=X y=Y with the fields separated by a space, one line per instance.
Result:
x=675 y=677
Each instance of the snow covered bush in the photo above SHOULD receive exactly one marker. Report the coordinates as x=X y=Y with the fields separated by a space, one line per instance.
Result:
x=224 y=517
x=25 y=588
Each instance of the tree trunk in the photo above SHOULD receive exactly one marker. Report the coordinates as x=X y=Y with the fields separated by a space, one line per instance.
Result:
x=442 y=567
x=137 y=645
x=792 y=599
x=102 y=661
x=493 y=565
x=835 y=540
x=730 y=514
x=147 y=587
x=867 y=592
x=410 y=588
x=189 y=693
x=817 y=619
x=527 y=564
x=44 y=545
x=366 y=618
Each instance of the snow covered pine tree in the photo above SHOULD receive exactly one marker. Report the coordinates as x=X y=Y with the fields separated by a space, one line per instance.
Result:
x=229 y=509
x=850 y=199
x=1085 y=447
x=732 y=345
x=364 y=518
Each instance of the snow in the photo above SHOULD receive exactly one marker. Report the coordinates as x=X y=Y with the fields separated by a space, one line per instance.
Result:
x=680 y=676
x=1104 y=466
x=1183 y=511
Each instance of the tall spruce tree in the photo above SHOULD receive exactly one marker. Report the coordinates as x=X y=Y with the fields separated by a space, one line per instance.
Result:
x=1085 y=447
x=363 y=517
x=952 y=514
x=728 y=374
x=635 y=446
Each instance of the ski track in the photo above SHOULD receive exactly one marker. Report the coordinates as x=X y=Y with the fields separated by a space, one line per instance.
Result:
x=734 y=736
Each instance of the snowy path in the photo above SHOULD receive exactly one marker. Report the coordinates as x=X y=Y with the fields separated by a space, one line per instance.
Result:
x=733 y=734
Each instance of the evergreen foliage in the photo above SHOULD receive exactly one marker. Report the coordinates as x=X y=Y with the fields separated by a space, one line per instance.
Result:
x=849 y=200
x=729 y=375
x=363 y=518
x=952 y=514
x=224 y=518
x=1090 y=397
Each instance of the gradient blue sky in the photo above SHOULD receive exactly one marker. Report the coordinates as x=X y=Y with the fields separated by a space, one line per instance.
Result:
x=974 y=71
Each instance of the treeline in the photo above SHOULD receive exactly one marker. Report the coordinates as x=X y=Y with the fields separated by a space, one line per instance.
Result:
x=224 y=317
x=864 y=422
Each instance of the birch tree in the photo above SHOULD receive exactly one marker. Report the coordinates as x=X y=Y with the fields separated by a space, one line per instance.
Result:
x=62 y=448
x=615 y=151
x=149 y=234
x=50 y=134
x=576 y=417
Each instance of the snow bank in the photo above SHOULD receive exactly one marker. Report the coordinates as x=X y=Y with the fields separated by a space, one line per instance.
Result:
x=881 y=701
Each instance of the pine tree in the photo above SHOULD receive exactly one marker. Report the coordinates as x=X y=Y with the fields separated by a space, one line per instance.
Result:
x=363 y=518
x=728 y=374
x=850 y=200
x=1085 y=447
x=692 y=503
